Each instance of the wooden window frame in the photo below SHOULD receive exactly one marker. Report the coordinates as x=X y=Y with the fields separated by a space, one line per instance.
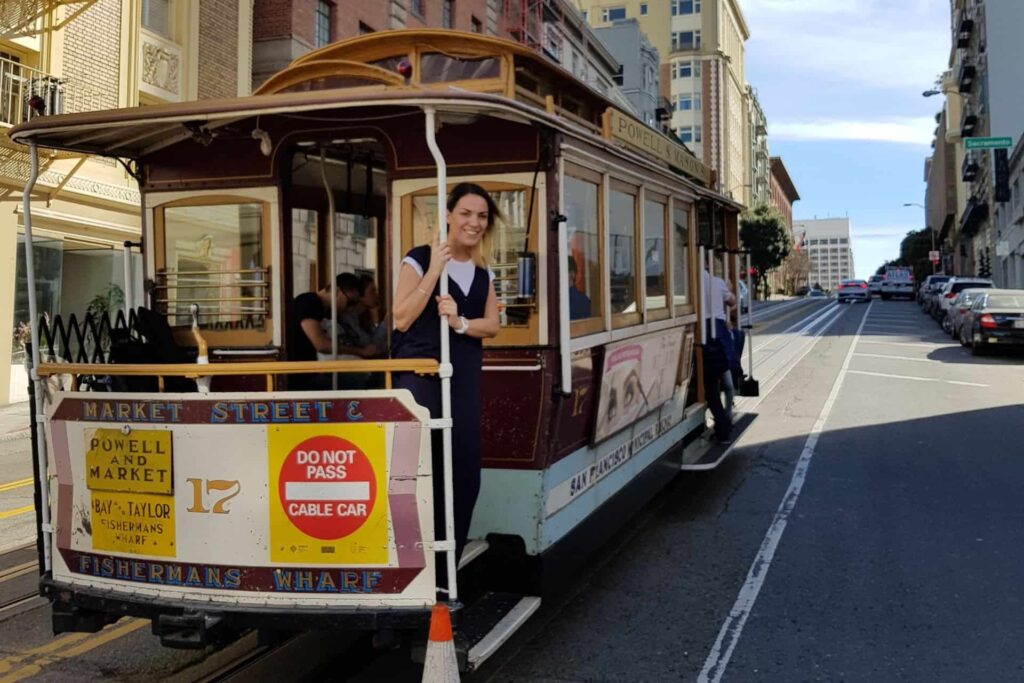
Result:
x=687 y=308
x=245 y=338
x=662 y=312
x=507 y=336
x=621 y=320
x=596 y=322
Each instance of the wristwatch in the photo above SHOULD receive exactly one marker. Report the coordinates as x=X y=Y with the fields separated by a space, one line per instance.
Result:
x=463 y=325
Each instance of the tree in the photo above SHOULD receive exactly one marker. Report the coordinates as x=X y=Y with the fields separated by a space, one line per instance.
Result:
x=764 y=232
x=914 y=252
x=795 y=270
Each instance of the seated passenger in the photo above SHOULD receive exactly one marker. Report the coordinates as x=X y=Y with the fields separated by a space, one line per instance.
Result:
x=579 y=303
x=306 y=336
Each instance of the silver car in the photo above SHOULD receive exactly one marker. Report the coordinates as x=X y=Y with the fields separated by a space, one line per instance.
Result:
x=958 y=311
x=853 y=290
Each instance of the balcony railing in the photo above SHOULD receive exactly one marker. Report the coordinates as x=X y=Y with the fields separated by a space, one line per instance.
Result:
x=964 y=27
x=966 y=78
x=26 y=92
x=969 y=169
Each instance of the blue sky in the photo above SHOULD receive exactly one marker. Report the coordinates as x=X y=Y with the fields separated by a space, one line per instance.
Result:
x=841 y=84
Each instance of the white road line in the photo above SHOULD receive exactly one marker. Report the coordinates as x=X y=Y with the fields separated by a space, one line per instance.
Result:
x=917 y=379
x=732 y=629
x=817 y=316
x=933 y=345
x=741 y=405
x=907 y=358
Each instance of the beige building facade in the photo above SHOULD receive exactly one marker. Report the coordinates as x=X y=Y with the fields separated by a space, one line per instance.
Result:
x=63 y=57
x=702 y=47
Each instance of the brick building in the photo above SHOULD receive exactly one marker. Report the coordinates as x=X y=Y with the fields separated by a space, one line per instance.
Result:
x=114 y=53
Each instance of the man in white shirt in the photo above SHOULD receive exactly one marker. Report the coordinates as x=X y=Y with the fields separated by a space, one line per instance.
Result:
x=719 y=352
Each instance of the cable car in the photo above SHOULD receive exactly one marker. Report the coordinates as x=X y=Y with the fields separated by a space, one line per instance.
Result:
x=180 y=479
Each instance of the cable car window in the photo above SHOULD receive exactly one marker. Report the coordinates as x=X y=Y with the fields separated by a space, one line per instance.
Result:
x=501 y=247
x=622 y=251
x=214 y=256
x=655 y=277
x=585 y=268
x=680 y=255
x=440 y=68
x=305 y=269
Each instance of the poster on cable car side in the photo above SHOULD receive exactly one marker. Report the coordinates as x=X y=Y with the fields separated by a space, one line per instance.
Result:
x=287 y=498
x=639 y=375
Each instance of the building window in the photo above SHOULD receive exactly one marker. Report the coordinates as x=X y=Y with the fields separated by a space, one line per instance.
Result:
x=448 y=13
x=476 y=25
x=416 y=6
x=686 y=69
x=696 y=128
x=643 y=8
x=323 y=24
x=156 y=16
x=686 y=40
x=618 y=77
x=696 y=101
x=613 y=13
x=683 y=7
x=585 y=13
x=684 y=102
x=685 y=134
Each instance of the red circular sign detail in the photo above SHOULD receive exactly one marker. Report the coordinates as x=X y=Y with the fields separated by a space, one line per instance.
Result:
x=327 y=487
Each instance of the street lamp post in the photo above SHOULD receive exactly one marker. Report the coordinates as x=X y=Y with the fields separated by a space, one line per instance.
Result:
x=931 y=232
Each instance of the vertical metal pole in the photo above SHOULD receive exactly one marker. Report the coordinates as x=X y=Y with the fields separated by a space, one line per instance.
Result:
x=446 y=363
x=700 y=296
x=564 y=323
x=711 y=291
x=750 y=322
x=332 y=260
x=33 y=314
x=129 y=293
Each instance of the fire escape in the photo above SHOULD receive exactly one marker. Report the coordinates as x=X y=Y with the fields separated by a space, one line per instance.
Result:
x=524 y=22
x=27 y=92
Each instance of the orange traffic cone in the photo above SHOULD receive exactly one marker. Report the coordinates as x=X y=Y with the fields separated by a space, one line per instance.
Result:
x=440 y=665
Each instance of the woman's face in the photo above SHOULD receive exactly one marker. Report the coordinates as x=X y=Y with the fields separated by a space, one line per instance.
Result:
x=467 y=222
x=370 y=297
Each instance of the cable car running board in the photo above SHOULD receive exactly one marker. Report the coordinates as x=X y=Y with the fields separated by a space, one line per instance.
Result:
x=512 y=618
x=718 y=452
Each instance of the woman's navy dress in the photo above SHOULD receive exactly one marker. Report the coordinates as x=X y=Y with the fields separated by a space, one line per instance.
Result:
x=423 y=340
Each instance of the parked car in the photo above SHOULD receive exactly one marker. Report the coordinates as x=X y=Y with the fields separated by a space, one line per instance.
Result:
x=961 y=304
x=875 y=284
x=955 y=285
x=899 y=281
x=995 y=319
x=853 y=290
x=929 y=289
x=816 y=294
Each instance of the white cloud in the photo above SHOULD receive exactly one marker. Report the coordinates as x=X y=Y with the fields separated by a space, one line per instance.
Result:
x=877 y=43
x=905 y=130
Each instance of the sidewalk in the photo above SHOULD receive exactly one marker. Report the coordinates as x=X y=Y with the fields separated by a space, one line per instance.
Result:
x=14 y=421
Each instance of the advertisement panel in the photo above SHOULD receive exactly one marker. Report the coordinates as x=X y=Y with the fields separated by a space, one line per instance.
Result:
x=283 y=499
x=639 y=375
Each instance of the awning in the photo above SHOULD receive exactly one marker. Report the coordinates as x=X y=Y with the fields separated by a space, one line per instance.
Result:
x=974 y=214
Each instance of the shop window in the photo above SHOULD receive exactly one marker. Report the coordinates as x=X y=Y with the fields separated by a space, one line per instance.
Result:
x=622 y=236
x=582 y=201
x=680 y=255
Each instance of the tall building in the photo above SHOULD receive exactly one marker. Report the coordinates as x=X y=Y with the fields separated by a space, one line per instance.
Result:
x=701 y=43
x=638 y=65
x=782 y=191
x=986 y=59
x=942 y=177
x=759 y=191
x=63 y=57
x=827 y=243
x=782 y=194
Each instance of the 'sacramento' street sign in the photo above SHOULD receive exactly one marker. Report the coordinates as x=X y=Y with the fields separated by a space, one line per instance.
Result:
x=988 y=143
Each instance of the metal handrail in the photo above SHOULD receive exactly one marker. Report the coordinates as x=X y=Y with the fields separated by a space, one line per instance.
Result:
x=424 y=366
x=52 y=95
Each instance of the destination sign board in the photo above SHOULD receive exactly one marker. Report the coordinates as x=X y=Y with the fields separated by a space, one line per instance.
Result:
x=629 y=131
x=988 y=143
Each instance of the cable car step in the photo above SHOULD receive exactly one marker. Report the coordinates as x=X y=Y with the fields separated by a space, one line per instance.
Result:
x=189 y=631
x=718 y=452
x=473 y=550
x=485 y=626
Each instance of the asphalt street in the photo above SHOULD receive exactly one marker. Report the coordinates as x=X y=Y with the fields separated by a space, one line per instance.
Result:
x=866 y=527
